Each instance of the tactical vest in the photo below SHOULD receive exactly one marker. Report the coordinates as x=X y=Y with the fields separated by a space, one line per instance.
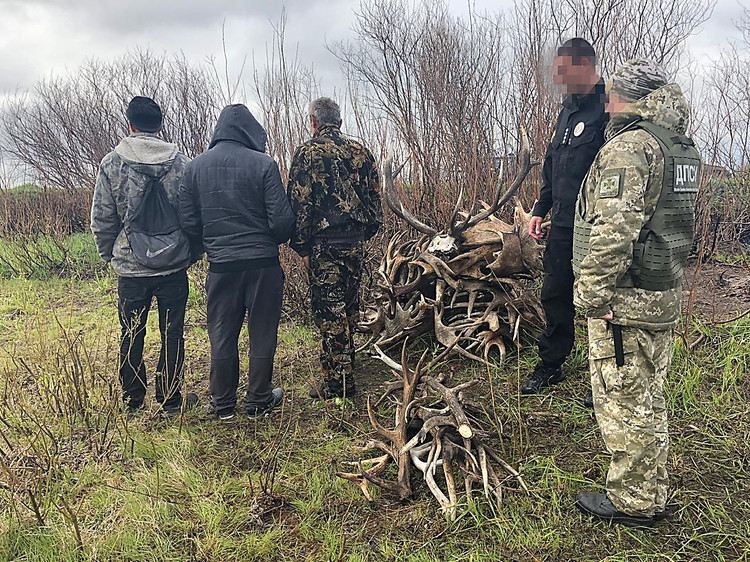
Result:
x=663 y=245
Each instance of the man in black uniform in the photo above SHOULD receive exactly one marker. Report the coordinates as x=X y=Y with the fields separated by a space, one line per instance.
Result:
x=578 y=136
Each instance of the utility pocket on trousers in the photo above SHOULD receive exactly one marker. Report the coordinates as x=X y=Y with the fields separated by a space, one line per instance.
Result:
x=603 y=356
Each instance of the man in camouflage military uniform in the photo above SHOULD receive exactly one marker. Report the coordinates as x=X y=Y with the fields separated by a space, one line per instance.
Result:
x=630 y=292
x=333 y=190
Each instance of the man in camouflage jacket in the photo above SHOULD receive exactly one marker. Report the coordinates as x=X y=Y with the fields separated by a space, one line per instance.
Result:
x=333 y=190
x=619 y=195
x=121 y=183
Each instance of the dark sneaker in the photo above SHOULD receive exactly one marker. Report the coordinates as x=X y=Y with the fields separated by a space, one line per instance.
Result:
x=276 y=399
x=599 y=505
x=588 y=401
x=190 y=401
x=542 y=377
x=224 y=415
x=332 y=389
x=135 y=409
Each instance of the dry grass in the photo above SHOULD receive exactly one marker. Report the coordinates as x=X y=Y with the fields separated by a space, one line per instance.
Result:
x=79 y=480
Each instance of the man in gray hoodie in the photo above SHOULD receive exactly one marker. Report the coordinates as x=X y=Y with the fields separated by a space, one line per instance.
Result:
x=142 y=162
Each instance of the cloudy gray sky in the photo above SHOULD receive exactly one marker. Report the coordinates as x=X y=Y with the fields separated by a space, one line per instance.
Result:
x=40 y=37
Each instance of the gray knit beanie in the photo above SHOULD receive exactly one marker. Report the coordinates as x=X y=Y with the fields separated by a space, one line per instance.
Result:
x=636 y=79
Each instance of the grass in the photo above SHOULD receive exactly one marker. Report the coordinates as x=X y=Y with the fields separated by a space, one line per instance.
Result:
x=25 y=188
x=43 y=256
x=80 y=481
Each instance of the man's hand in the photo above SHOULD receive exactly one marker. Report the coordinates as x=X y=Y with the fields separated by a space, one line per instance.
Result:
x=609 y=316
x=535 y=228
x=306 y=261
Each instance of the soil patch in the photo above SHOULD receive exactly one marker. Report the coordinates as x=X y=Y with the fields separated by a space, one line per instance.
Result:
x=719 y=291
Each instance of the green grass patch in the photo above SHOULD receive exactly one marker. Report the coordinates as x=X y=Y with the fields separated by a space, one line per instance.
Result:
x=44 y=256
x=80 y=481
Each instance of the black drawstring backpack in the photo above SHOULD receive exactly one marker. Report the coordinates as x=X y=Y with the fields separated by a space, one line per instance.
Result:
x=154 y=232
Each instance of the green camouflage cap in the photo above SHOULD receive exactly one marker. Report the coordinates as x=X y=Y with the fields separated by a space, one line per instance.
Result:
x=636 y=79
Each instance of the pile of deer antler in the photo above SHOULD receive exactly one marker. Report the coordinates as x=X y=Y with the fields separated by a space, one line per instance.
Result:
x=469 y=285
x=435 y=428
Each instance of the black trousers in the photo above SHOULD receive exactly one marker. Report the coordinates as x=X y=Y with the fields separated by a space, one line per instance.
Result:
x=135 y=295
x=557 y=298
x=229 y=296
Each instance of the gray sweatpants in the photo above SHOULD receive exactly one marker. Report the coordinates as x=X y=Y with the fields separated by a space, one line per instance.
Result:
x=229 y=295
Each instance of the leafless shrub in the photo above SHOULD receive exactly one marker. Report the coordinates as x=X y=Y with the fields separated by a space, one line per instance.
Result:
x=35 y=229
x=55 y=411
x=63 y=128
x=724 y=134
x=625 y=29
x=438 y=80
x=283 y=90
x=55 y=212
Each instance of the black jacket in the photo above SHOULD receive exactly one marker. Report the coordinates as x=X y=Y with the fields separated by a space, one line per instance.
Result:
x=570 y=155
x=232 y=202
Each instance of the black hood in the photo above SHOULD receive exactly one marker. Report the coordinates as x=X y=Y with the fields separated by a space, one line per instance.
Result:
x=237 y=124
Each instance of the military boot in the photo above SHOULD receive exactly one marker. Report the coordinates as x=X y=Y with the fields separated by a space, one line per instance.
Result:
x=600 y=506
x=542 y=377
x=334 y=388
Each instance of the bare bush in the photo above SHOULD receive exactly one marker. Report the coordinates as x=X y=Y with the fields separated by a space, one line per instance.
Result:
x=724 y=134
x=56 y=410
x=33 y=210
x=283 y=90
x=438 y=80
x=622 y=30
x=63 y=128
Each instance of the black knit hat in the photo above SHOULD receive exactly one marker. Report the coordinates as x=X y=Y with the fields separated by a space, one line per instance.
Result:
x=577 y=48
x=144 y=114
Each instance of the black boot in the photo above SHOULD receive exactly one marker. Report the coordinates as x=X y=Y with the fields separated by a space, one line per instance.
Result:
x=190 y=401
x=588 y=400
x=333 y=388
x=542 y=377
x=599 y=505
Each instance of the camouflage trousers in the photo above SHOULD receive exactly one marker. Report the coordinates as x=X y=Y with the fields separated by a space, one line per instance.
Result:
x=335 y=275
x=632 y=415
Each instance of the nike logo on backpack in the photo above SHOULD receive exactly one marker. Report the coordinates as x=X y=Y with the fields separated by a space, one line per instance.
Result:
x=150 y=254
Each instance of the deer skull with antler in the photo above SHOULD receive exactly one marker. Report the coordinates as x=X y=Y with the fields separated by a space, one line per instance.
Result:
x=446 y=241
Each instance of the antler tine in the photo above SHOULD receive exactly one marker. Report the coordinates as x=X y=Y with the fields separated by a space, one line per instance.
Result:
x=394 y=201
x=403 y=349
x=420 y=363
x=456 y=209
x=500 y=199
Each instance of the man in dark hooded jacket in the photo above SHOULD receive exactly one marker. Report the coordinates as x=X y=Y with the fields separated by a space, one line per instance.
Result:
x=233 y=206
x=125 y=176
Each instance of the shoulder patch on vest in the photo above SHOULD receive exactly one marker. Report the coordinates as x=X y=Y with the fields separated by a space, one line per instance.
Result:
x=610 y=183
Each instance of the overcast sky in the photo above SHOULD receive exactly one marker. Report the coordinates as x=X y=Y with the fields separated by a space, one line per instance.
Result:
x=40 y=37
